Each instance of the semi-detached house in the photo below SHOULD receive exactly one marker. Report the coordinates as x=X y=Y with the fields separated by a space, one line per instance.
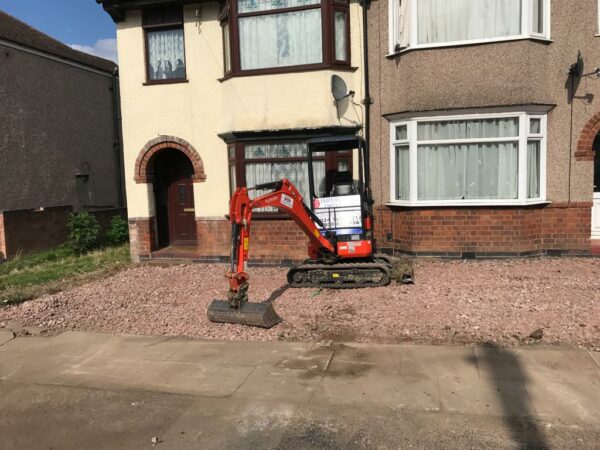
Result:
x=218 y=94
x=484 y=125
x=484 y=115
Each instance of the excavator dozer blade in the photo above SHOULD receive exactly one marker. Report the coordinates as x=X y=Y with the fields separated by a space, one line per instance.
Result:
x=261 y=315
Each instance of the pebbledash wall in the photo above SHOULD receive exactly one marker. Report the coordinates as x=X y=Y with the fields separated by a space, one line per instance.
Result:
x=513 y=75
x=190 y=117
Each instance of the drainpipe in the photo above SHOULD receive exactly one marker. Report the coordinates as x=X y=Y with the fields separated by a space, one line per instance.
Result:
x=367 y=100
x=118 y=138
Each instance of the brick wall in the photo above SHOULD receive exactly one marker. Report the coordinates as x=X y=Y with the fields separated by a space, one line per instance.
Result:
x=142 y=238
x=270 y=241
x=456 y=232
x=30 y=230
x=491 y=231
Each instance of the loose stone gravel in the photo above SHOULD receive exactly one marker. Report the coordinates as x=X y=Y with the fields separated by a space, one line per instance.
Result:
x=498 y=302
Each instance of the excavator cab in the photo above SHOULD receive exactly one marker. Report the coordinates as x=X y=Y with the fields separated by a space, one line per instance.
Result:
x=342 y=198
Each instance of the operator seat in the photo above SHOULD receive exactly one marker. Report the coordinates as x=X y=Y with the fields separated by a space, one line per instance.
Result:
x=342 y=184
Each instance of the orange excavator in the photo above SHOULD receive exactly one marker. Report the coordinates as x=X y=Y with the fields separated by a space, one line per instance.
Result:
x=338 y=224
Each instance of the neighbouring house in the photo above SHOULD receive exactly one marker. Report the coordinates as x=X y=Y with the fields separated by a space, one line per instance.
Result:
x=59 y=138
x=485 y=126
x=218 y=94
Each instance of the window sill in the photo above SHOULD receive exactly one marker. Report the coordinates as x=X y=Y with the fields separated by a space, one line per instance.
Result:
x=463 y=204
x=291 y=69
x=171 y=81
x=469 y=43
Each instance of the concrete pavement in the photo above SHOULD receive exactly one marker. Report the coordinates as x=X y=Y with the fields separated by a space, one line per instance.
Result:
x=85 y=390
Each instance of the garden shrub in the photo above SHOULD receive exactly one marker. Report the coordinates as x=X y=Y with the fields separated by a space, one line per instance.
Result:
x=118 y=231
x=84 y=232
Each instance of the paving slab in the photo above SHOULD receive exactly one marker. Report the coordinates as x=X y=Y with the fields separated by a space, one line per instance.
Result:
x=359 y=383
x=534 y=364
x=485 y=397
x=387 y=358
x=6 y=336
x=280 y=384
x=446 y=362
x=572 y=403
x=284 y=354
x=596 y=357
x=171 y=377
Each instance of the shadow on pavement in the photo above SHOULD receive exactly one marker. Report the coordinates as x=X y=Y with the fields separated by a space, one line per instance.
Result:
x=503 y=365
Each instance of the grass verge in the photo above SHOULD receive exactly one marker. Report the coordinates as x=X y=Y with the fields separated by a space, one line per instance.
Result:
x=30 y=276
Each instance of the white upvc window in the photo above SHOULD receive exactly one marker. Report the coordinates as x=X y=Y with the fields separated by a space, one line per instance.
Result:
x=435 y=23
x=484 y=159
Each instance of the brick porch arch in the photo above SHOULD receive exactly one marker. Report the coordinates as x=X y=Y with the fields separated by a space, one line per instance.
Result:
x=143 y=167
x=585 y=145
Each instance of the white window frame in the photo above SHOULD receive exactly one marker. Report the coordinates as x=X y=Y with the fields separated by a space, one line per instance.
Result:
x=523 y=137
x=526 y=28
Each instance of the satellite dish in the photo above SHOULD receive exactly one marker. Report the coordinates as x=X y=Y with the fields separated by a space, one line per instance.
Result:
x=339 y=90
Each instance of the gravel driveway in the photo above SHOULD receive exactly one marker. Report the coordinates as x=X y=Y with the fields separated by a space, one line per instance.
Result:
x=455 y=302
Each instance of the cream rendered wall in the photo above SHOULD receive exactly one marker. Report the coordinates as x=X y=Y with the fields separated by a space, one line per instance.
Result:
x=201 y=109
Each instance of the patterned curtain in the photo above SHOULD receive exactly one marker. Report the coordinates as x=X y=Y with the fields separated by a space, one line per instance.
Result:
x=166 y=55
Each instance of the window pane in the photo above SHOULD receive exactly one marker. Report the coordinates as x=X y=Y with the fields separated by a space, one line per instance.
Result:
x=537 y=16
x=271 y=151
x=279 y=40
x=340 y=36
x=461 y=20
x=246 y=6
x=468 y=129
x=533 y=169
x=535 y=126
x=165 y=54
x=467 y=171
x=402 y=178
x=296 y=172
x=401 y=133
x=232 y=179
x=226 y=48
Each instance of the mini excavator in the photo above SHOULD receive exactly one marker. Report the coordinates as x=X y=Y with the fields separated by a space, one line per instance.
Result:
x=338 y=224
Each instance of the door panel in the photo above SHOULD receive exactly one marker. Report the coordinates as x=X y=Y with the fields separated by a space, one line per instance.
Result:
x=174 y=195
x=182 y=223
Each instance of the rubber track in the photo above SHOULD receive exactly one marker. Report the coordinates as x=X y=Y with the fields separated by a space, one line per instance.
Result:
x=340 y=267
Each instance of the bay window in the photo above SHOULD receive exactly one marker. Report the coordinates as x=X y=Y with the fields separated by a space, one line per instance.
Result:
x=262 y=36
x=252 y=163
x=433 y=23
x=164 y=43
x=483 y=159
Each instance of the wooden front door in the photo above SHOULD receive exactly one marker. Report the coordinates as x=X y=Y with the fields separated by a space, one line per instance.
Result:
x=175 y=199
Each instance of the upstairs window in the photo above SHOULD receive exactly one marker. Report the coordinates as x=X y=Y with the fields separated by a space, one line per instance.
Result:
x=165 y=50
x=431 y=23
x=261 y=36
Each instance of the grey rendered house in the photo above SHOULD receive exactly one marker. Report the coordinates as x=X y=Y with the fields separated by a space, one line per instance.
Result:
x=59 y=137
x=485 y=126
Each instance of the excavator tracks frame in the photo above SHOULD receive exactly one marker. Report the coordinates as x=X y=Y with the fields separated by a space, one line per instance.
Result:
x=342 y=275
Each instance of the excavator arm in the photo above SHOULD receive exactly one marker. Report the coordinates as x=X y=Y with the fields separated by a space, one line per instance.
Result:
x=285 y=197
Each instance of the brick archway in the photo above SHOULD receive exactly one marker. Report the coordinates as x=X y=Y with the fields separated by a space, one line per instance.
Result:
x=585 y=145
x=143 y=168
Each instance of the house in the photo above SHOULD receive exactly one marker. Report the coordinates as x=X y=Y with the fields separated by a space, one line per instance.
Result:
x=59 y=138
x=216 y=95
x=484 y=115
x=484 y=126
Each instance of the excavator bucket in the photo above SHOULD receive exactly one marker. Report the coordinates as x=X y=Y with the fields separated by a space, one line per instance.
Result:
x=261 y=315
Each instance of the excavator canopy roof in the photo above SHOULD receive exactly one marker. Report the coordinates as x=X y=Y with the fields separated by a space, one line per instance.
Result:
x=334 y=143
